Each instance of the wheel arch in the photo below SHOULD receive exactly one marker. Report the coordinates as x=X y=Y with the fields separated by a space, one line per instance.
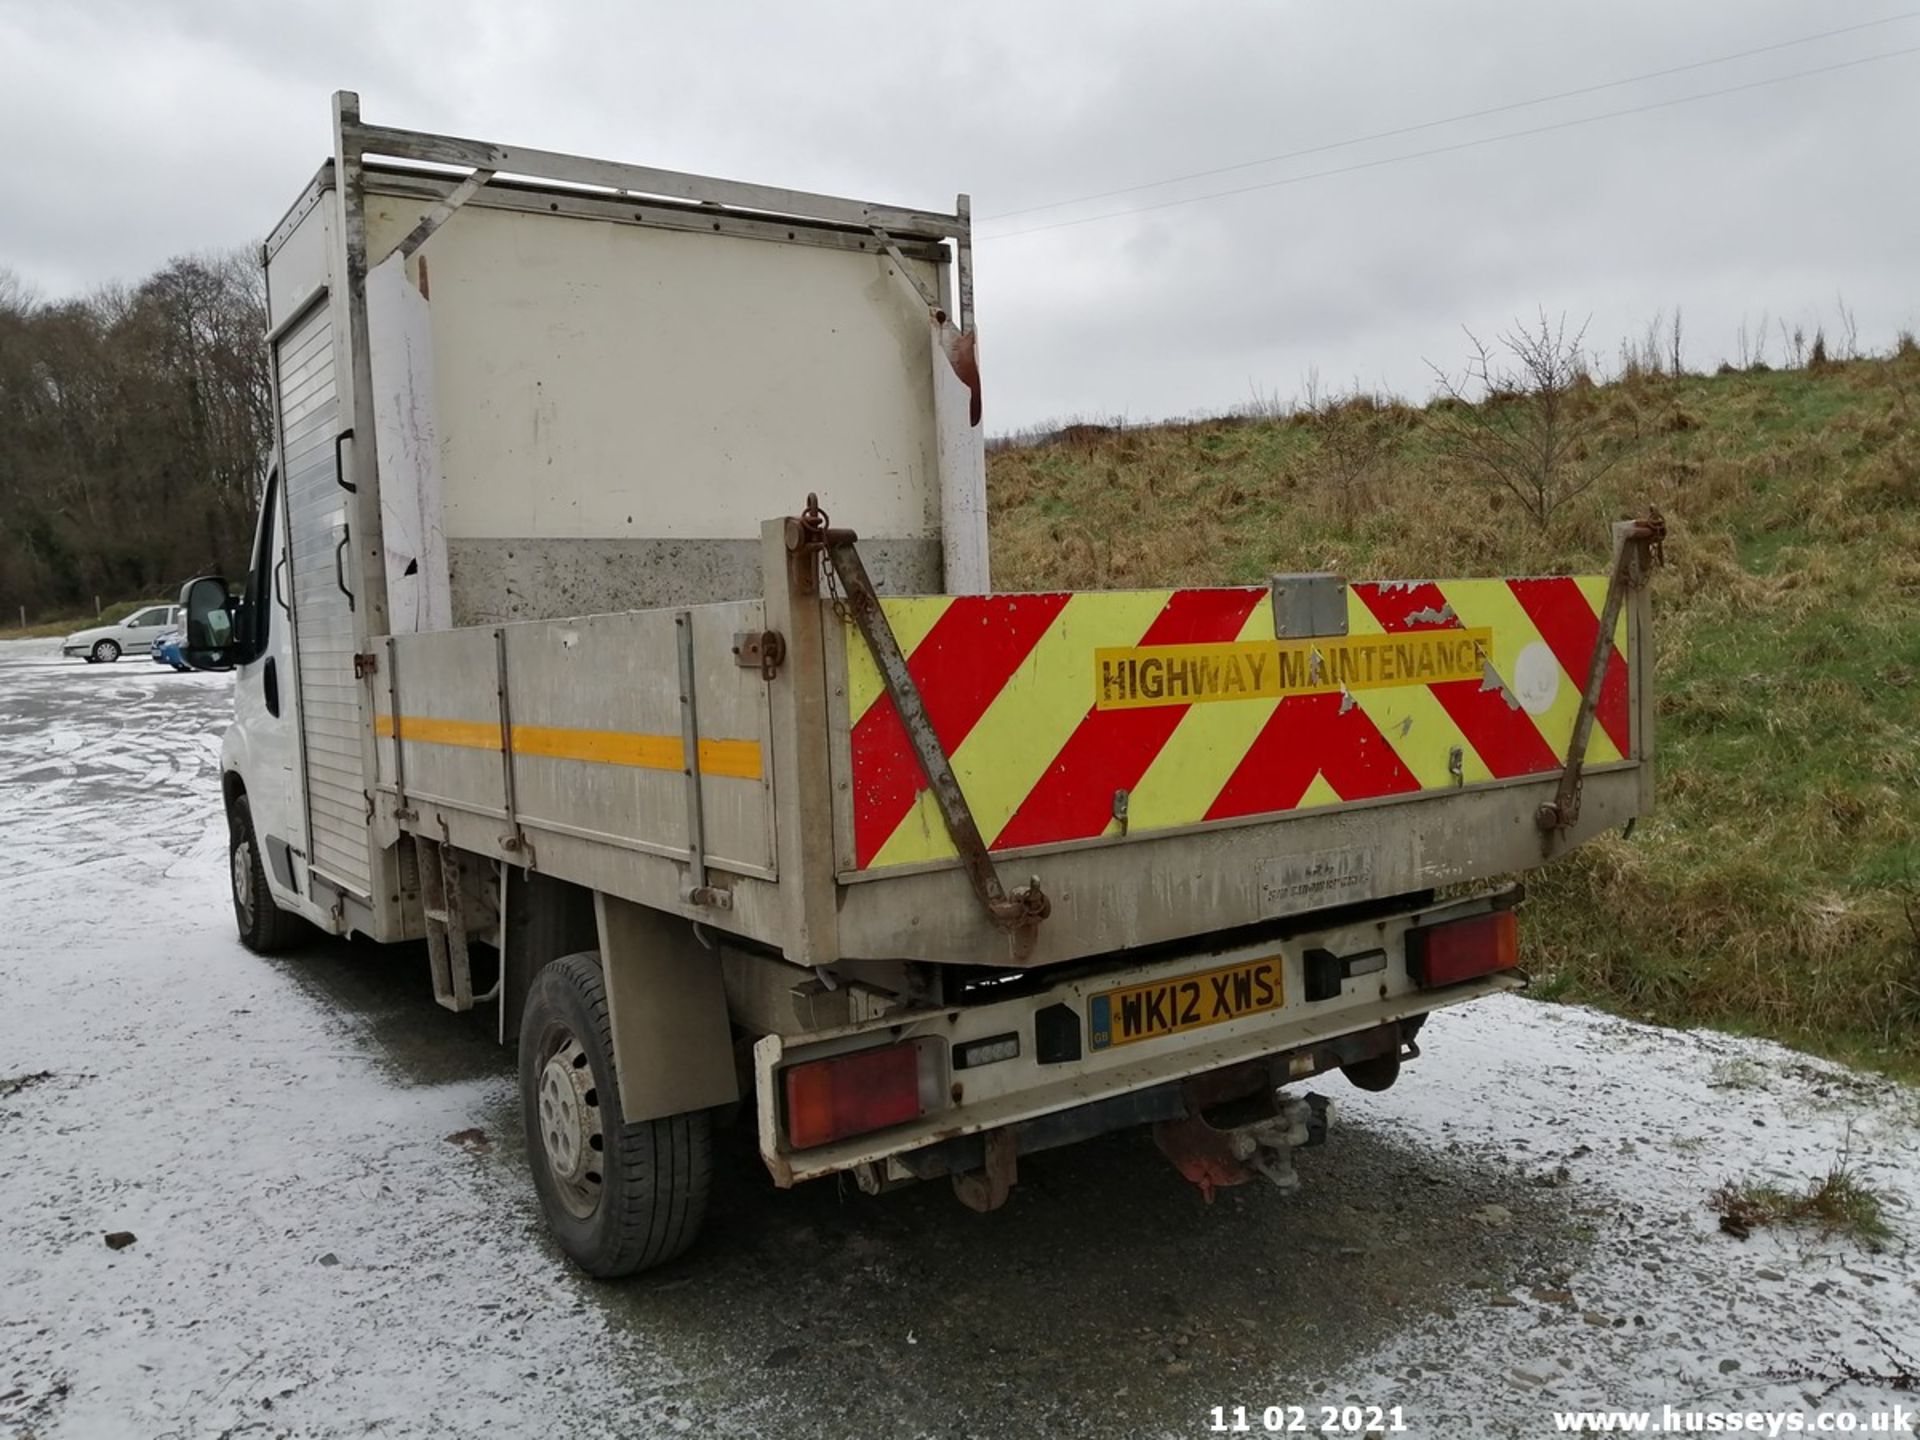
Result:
x=548 y=919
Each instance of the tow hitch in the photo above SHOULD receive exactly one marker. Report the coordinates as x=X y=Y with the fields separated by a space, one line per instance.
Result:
x=1212 y=1157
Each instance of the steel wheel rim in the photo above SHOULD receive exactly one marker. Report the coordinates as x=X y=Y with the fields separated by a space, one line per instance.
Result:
x=106 y=652
x=567 y=1110
x=243 y=882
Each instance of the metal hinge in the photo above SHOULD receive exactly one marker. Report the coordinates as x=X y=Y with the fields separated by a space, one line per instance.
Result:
x=365 y=665
x=762 y=650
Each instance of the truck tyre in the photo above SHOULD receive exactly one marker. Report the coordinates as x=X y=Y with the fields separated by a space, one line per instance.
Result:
x=105 y=652
x=619 y=1197
x=264 y=927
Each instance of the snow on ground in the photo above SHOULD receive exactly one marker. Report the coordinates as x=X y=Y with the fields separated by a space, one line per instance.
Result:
x=304 y=1233
x=1638 y=1125
x=325 y=1246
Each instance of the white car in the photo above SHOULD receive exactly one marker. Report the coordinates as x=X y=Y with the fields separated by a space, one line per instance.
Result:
x=105 y=643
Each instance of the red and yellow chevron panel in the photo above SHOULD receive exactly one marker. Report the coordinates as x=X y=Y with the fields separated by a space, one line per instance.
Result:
x=1051 y=705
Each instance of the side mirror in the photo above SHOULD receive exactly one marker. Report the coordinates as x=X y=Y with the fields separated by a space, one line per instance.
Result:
x=209 y=638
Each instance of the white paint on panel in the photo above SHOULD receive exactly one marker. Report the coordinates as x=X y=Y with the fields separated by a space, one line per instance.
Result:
x=1536 y=678
x=406 y=430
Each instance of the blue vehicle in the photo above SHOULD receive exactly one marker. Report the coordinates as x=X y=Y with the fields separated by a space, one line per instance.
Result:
x=166 y=649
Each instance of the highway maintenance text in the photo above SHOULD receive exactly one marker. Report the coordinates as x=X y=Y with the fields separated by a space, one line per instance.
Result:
x=1135 y=676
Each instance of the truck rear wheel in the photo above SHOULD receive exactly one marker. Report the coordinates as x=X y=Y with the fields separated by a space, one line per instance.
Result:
x=619 y=1197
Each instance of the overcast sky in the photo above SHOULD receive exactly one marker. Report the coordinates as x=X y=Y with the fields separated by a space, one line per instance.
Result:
x=139 y=129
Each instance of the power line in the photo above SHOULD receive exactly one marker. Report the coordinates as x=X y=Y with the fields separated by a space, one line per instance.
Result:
x=1460 y=145
x=1449 y=120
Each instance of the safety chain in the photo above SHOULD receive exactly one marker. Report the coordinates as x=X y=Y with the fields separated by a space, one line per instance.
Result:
x=814 y=523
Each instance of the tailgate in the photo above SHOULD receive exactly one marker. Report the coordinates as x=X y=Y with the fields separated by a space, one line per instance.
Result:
x=1167 y=764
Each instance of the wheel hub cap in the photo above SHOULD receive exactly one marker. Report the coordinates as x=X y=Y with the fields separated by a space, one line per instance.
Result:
x=243 y=881
x=570 y=1127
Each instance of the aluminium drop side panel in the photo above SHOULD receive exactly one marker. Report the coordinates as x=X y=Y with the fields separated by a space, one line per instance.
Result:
x=1158 y=887
x=1149 y=822
x=594 y=790
x=610 y=683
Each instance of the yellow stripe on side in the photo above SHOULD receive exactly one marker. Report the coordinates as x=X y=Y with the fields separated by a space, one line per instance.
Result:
x=736 y=759
x=1039 y=707
x=600 y=747
x=431 y=730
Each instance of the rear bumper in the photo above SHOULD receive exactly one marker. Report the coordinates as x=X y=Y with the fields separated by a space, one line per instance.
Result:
x=1099 y=1090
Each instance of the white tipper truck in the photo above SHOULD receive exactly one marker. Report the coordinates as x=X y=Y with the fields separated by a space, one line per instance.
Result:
x=548 y=657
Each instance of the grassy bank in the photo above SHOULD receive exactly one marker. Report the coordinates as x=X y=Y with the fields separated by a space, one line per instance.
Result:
x=1777 y=889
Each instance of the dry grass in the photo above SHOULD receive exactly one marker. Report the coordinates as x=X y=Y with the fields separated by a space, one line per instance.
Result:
x=1837 y=1203
x=1770 y=891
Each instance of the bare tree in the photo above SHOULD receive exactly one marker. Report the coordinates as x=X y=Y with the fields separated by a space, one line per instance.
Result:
x=134 y=426
x=1355 y=442
x=1516 y=422
x=1794 y=343
x=16 y=296
x=1849 y=330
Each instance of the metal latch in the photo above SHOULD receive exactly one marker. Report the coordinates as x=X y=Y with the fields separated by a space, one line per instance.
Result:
x=365 y=665
x=762 y=650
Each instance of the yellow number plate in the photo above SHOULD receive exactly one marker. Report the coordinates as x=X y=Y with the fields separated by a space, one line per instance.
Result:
x=1185 y=1002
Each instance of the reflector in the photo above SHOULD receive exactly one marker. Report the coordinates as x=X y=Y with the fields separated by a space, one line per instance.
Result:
x=851 y=1094
x=1462 y=949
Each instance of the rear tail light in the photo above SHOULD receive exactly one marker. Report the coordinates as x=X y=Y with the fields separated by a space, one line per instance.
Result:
x=863 y=1090
x=1462 y=949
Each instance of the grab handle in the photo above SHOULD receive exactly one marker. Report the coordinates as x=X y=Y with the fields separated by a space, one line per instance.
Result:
x=340 y=565
x=339 y=470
